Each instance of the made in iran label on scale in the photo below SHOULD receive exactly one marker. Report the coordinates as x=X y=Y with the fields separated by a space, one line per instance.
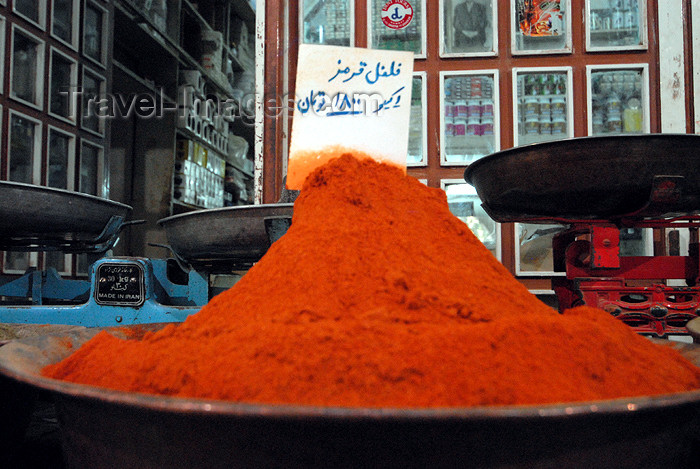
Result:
x=119 y=284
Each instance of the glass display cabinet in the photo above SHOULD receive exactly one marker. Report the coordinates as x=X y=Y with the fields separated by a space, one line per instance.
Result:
x=94 y=37
x=396 y=25
x=93 y=88
x=533 y=249
x=65 y=21
x=616 y=25
x=33 y=11
x=542 y=107
x=465 y=204
x=418 y=127
x=540 y=27
x=27 y=72
x=468 y=28
x=618 y=99
x=63 y=76
x=327 y=22
x=470 y=122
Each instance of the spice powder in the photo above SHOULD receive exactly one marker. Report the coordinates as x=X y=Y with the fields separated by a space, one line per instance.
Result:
x=377 y=296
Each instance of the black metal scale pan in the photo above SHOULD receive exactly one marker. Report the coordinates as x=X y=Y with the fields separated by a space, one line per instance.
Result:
x=621 y=177
x=220 y=239
x=106 y=428
x=44 y=218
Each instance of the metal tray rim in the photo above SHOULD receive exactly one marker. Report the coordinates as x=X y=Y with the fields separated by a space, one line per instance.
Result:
x=567 y=141
x=209 y=211
x=82 y=195
x=197 y=406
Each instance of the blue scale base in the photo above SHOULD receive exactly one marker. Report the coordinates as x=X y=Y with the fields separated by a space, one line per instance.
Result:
x=121 y=291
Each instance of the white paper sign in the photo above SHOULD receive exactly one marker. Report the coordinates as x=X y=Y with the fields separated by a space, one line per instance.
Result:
x=349 y=100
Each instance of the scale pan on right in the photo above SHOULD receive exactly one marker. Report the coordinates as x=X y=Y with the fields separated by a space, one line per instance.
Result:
x=617 y=177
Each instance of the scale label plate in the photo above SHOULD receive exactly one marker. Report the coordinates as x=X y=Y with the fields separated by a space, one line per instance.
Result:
x=119 y=284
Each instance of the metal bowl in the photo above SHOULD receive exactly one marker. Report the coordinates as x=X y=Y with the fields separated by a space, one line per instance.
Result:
x=605 y=177
x=36 y=217
x=106 y=428
x=226 y=236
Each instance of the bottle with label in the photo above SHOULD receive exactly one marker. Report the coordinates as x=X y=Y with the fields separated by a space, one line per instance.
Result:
x=532 y=125
x=632 y=116
x=532 y=106
x=613 y=123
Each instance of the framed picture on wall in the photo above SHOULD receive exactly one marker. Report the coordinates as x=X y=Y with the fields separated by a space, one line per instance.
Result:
x=468 y=28
x=540 y=27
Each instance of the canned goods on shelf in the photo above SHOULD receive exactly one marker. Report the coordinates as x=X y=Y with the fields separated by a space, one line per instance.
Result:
x=559 y=126
x=486 y=126
x=460 y=110
x=558 y=106
x=532 y=106
x=613 y=123
x=449 y=127
x=473 y=108
x=487 y=108
x=473 y=126
x=532 y=125
x=545 y=126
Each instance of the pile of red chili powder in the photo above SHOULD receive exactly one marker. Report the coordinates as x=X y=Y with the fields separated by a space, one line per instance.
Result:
x=378 y=296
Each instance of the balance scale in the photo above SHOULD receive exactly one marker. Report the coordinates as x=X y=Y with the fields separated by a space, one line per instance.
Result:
x=122 y=291
x=596 y=187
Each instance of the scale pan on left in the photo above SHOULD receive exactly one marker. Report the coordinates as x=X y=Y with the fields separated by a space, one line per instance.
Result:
x=35 y=217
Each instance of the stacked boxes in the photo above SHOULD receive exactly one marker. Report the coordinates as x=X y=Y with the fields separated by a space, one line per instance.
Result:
x=199 y=173
x=469 y=106
x=201 y=116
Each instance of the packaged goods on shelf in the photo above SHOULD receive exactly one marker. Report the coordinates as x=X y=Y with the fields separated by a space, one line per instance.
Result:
x=212 y=50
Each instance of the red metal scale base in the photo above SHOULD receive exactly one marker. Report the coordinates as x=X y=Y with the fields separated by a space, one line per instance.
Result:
x=632 y=288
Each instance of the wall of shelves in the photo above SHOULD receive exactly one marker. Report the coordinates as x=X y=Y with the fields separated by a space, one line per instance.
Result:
x=192 y=64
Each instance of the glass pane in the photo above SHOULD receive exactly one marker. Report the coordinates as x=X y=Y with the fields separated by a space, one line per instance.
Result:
x=89 y=157
x=92 y=46
x=29 y=8
x=469 y=112
x=59 y=147
x=468 y=26
x=91 y=92
x=17 y=261
x=615 y=23
x=541 y=25
x=396 y=25
x=327 y=22
x=636 y=242
x=22 y=149
x=535 y=253
x=465 y=204
x=82 y=264
x=415 y=131
x=542 y=107
x=617 y=102
x=55 y=259
x=61 y=83
x=25 y=55
x=62 y=24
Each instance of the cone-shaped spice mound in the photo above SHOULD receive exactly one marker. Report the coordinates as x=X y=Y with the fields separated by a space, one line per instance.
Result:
x=379 y=296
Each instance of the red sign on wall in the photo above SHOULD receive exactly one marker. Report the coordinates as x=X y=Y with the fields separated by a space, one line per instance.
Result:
x=397 y=14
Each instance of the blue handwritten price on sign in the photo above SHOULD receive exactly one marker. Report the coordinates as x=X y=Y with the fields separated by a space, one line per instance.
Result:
x=349 y=99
